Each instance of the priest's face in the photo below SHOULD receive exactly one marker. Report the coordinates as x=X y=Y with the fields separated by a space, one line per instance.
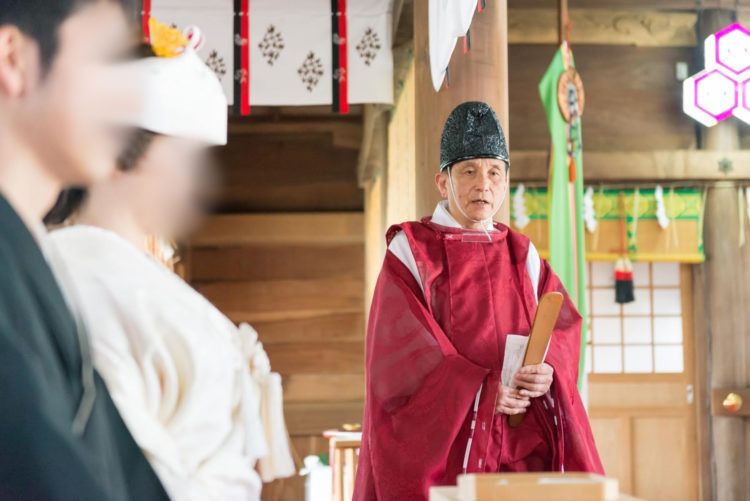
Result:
x=475 y=189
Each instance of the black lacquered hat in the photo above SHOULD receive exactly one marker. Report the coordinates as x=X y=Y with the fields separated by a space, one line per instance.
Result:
x=472 y=131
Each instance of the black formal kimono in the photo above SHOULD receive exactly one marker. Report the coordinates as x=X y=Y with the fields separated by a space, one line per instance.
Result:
x=43 y=454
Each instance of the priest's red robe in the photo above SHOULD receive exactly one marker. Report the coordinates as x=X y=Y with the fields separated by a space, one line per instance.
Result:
x=433 y=364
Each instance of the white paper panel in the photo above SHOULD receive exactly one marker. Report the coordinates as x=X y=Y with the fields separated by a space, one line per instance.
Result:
x=606 y=330
x=607 y=359
x=641 y=305
x=667 y=302
x=638 y=359
x=603 y=302
x=641 y=274
x=637 y=330
x=668 y=358
x=667 y=330
x=666 y=274
x=603 y=274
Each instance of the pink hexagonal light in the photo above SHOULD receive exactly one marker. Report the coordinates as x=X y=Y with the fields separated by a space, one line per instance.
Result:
x=733 y=48
x=742 y=111
x=723 y=87
x=716 y=94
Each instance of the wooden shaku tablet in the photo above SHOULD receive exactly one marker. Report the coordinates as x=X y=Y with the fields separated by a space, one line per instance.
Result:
x=541 y=332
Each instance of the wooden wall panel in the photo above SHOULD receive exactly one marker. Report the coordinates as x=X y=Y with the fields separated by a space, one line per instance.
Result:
x=633 y=100
x=274 y=263
x=280 y=298
x=317 y=358
x=330 y=328
x=612 y=436
x=324 y=387
x=281 y=230
x=299 y=279
x=663 y=457
x=288 y=172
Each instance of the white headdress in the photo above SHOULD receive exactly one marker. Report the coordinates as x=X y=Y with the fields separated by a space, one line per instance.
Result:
x=181 y=96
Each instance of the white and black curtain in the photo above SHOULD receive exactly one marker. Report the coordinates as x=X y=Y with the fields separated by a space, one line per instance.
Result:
x=291 y=52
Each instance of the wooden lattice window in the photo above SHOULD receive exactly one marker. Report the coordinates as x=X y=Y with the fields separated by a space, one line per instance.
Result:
x=645 y=336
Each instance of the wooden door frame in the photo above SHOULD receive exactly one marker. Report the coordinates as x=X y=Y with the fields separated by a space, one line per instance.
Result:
x=694 y=373
x=701 y=355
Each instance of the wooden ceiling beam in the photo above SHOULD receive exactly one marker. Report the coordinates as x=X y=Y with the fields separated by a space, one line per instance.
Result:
x=662 y=166
x=347 y=132
x=648 y=28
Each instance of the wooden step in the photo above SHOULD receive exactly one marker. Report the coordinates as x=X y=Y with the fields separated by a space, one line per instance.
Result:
x=324 y=387
x=263 y=262
x=334 y=228
x=283 y=297
x=313 y=418
x=317 y=358
x=331 y=328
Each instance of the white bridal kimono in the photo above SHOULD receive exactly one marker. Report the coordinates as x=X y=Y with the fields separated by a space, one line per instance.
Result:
x=196 y=392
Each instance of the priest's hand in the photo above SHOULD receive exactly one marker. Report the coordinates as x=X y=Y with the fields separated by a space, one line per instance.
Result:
x=534 y=380
x=510 y=401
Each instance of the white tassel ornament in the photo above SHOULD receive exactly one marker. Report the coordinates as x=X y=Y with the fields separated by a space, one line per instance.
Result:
x=661 y=210
x=589 y=214
x=520 y=218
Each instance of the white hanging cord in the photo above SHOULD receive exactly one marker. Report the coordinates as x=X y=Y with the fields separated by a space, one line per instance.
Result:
x=520 y=218
x=589 y=214
x=661 y=210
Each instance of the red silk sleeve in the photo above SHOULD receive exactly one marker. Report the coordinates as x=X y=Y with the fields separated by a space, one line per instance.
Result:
x=419 y=391
x=577 y=442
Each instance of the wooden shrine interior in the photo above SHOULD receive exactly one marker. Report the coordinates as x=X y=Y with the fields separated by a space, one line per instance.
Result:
x=293 y=250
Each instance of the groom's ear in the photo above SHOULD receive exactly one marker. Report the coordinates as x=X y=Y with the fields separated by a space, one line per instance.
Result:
x=17 y=61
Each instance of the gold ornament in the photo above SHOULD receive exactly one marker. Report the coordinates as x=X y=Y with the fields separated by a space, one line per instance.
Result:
x=570 y=96
x=166 y=41
x=733 y=402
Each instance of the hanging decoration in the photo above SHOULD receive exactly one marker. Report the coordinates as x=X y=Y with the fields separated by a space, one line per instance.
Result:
x=338 y=56
x=722 y=89
x=589 y=213
x=682 y=243
x=447 y=22
x=290 y=53
x=661 y=210
x=241 y=98
x=624 y=290
x=520 y=218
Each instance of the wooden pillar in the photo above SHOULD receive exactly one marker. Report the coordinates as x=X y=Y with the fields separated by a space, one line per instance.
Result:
x=722 y=292
x=479 y=75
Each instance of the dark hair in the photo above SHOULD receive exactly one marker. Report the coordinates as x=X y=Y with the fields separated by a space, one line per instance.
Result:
x=71 y=199
x=41 y=20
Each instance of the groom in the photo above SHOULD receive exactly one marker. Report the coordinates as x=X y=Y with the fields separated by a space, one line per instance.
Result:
x=61 y=437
